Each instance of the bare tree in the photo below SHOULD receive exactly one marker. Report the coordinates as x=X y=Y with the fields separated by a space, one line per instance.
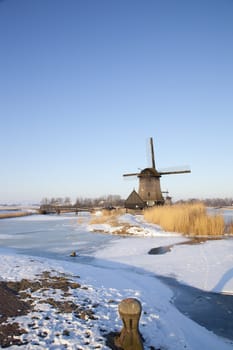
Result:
x=45 y=201
x=67 y=201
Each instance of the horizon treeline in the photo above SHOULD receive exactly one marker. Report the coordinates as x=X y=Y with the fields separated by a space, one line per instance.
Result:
x=103 y=201
x=209 y=202
x=116 y=200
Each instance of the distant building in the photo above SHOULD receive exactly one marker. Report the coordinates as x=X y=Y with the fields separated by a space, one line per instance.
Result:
x=168 y=200
x=134 y=201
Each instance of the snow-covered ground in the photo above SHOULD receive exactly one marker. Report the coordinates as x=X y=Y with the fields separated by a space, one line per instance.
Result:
x=122 y=268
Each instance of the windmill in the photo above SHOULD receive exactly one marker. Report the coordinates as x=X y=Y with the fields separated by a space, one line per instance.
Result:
x=149 y=181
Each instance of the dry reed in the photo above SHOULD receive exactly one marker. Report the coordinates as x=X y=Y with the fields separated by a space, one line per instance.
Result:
x=106 y=216
x=230 y=228
x=14 y=214
x=190 y=219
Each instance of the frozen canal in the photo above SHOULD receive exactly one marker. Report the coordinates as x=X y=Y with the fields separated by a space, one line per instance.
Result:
x=56 y=236
x=51 y=236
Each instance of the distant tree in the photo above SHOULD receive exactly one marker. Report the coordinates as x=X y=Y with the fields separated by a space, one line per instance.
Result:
x=77 y=203
x=53 y=201
x=56 y=201
x=45 y=201
x=67 y=201
x=81 y=202
x=218 y=202
x=114 y=199
x=103 y=201
x=209 y=202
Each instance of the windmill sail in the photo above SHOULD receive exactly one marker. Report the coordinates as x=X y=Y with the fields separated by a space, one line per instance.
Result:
x=132 y=174
x=152 y=153
x=175 y=170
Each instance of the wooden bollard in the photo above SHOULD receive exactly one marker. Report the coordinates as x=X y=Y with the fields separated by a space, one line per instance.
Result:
x=130 y=311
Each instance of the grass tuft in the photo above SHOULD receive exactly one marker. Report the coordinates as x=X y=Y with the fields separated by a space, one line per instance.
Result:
x=105 y=216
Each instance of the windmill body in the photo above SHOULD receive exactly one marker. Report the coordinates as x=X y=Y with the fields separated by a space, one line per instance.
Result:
x=149 y=187
x=149 y=182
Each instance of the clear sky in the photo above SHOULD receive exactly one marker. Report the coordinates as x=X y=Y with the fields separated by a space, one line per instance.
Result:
x=85 y=83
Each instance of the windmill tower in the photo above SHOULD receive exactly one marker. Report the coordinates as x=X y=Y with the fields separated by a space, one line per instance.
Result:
x=149 y=181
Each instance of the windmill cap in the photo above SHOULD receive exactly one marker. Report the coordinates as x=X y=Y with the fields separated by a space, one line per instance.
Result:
x=149 y=172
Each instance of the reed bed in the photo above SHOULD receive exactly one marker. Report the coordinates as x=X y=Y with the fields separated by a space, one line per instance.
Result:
x=14 y=214
x=189 y=219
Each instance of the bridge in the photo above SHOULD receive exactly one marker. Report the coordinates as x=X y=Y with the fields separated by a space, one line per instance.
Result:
x=58 y=209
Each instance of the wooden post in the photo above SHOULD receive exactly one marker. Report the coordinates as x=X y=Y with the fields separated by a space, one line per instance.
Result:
x=129 y=339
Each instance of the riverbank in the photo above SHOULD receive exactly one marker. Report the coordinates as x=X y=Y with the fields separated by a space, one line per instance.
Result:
x=26 y=298
x=8 y=212
x=14 y=214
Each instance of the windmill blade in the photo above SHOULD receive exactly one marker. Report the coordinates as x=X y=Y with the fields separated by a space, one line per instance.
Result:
x=152 y=152
x=174 y=172
x=132 y=174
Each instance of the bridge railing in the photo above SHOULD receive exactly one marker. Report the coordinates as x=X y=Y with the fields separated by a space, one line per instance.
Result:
x=52 y=209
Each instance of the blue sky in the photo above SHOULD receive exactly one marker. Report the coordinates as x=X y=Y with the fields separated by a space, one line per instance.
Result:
x=85 y=83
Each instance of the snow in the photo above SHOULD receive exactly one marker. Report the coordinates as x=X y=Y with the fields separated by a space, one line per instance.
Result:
x=195 y=265
x=121 y=269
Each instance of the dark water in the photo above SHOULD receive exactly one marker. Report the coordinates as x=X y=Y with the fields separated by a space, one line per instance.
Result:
x=192 y=241
x=213 y=311
x=160 y=250
x=9 y=211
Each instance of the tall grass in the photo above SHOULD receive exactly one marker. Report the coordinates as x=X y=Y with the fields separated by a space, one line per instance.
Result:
x=14 y=214
x=230 y=228
x=106 y=216
x=190 y=219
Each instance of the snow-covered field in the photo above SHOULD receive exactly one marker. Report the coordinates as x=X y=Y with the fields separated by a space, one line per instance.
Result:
x=121 y=268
